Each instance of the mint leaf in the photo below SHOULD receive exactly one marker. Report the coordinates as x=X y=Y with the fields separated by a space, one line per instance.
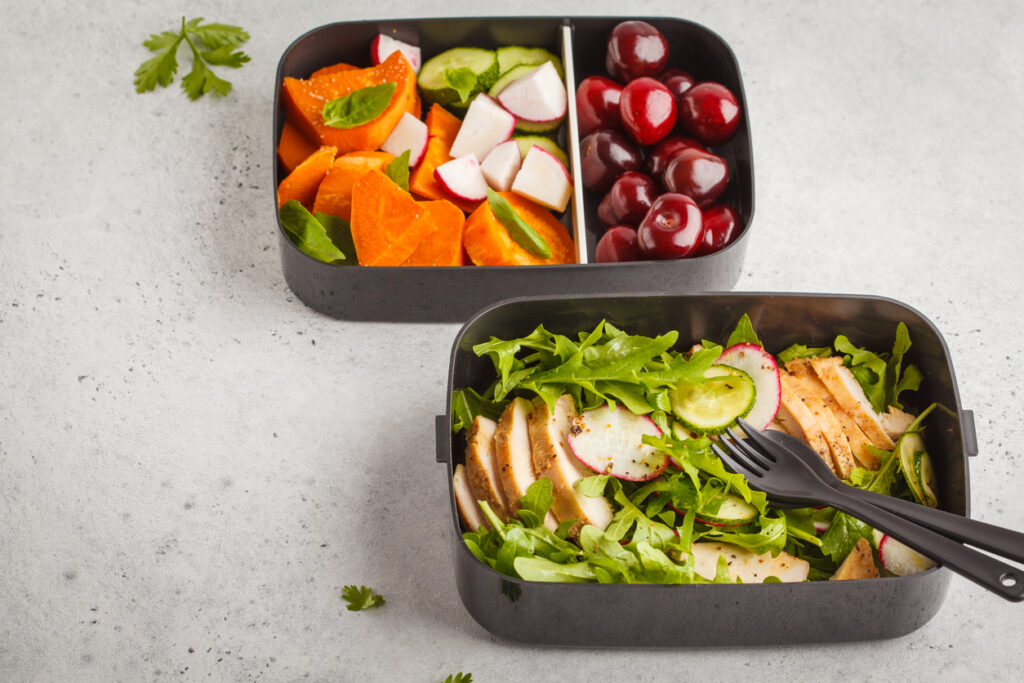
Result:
x=359 y=106
x=360 y=598
x=220 y=42
x=519 y=230
x=308 y=234
x=398 y=170
x=462 y=80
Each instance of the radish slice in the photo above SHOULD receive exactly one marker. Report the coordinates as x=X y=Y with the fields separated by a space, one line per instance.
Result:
x=538 y=97
x=462 y=178
x=409 y=134
x=898 y=558
x=543 y=179
x=485 y=126
x=609 y=441
x=501 y=165
x=383 y=45
x=761 y=367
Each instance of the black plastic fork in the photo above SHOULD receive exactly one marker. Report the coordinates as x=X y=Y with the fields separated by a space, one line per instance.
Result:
x=789 y=479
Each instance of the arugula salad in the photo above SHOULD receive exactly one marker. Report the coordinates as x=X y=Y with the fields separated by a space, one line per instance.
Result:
x=588 y=459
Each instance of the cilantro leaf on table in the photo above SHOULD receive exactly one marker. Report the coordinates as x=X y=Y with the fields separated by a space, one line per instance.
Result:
x=361 y=597
x=459 y=678
x=211 y=45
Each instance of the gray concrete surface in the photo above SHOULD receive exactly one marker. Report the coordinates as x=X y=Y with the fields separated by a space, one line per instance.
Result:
x=192 y=463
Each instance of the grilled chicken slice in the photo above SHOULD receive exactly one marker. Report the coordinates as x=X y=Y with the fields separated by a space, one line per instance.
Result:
x=515 y=455
x=465 y=501
x=553 y=459
x=798 y=420
x=844 y=387
x=859 y=564
x=895 y=422
x=746 y=565
x=482 y=466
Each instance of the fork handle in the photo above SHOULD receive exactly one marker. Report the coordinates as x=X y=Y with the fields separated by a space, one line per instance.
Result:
x=1004 y=542
x=988 y=572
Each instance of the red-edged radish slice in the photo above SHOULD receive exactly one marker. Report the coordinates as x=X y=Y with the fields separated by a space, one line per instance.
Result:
x=485 y=126
x=501 y=165
x=898 y=558
x=383 y=45
x=462 y=178
x=538 y=97
x=409 y=134
x=609 y=441
x=542 y=178
x=761 y=367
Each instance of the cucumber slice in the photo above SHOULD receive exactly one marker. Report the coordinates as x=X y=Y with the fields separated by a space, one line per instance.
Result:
x=547 y=144
x=734 y=511
x=511 y=56
x=517 y=72
x=471 y=69
x=917 y=468
x=713 y=405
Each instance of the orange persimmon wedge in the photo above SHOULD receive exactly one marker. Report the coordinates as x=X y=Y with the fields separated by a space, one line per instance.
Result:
x=302 y=183
x=443 y=246
x=442 y=127
x=294 y=147
x=304 y=101
x=488 y=243
x=335 y=193
x=387 y=223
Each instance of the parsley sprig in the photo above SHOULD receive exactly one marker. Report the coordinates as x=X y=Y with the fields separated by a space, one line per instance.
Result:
x=361 y=597
x=211 y=45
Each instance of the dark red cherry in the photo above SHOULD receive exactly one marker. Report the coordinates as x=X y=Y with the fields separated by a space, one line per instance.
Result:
x=673 y=228
x=635 y=49
x=604 y=156
x=709 y=112
x=662 y=153
x=722 y=224
x=700 y=175
x=605 y=213
x=618 y=244
x=631 y=197
x=648 y=110
x=677 y=81
x=597 y=104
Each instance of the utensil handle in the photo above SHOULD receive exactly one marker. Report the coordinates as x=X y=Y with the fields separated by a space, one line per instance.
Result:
x=1004 y=542
x=988 y=572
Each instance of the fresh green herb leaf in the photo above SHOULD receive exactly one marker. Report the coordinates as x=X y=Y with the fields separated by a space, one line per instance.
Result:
x=462 y=80
x=339 y=231
x=842 y=535
x=796 y=351
x=467 y=404
x=744 y=333
x=879 y=375
x=360 y=598
x=210 y=44
x=359 y=106
x=398 y=170
x=519 y=230
x=309 y=234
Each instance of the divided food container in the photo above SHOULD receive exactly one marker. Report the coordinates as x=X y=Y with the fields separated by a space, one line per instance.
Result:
x=451 y=294
x=597 y=615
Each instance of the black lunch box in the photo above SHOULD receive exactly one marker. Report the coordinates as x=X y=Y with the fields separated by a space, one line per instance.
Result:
x=596 y=615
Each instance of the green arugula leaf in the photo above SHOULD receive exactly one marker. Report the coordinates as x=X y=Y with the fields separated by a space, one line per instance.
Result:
x=519 y=230
x=398 y=170
x=308 y=234
x=744 y=333
x=880 y=375
x=467 y=404
x=796 y=351
x=220 y=41
x=462 y=80
x=359 y=106
x=360 y=598
x=842 y=535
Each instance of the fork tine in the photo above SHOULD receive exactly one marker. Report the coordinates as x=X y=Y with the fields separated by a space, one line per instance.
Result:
x=758 y=455
x=736 y=460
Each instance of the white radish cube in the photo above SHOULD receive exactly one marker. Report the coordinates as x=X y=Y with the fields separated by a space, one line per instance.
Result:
x=543 y=179
x=539 y=96
x=409 y=134
x=502 y=164
x=383 y=45
x=462 y=178
x=485 y=126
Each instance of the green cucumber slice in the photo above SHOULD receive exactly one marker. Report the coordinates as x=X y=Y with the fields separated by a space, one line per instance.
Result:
x=477 y=68
x=917 y=468
x=511 y=56
x=711 y=406
x=525 y=142
x=734 y=511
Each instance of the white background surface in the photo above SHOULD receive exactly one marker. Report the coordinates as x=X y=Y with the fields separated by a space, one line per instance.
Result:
x=192 y=463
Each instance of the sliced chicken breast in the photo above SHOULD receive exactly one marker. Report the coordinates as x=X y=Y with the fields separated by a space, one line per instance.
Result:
x=859 y=564
x=469 y=512
x=848 y=393
x=553 y=459
x=838 y=446
x=746 y=565
x=515 y=456
x=895 y=422
x=482 y=466
x=798 y=420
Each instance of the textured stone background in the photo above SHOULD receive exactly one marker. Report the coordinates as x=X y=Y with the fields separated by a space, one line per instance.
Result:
x=192 y=463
